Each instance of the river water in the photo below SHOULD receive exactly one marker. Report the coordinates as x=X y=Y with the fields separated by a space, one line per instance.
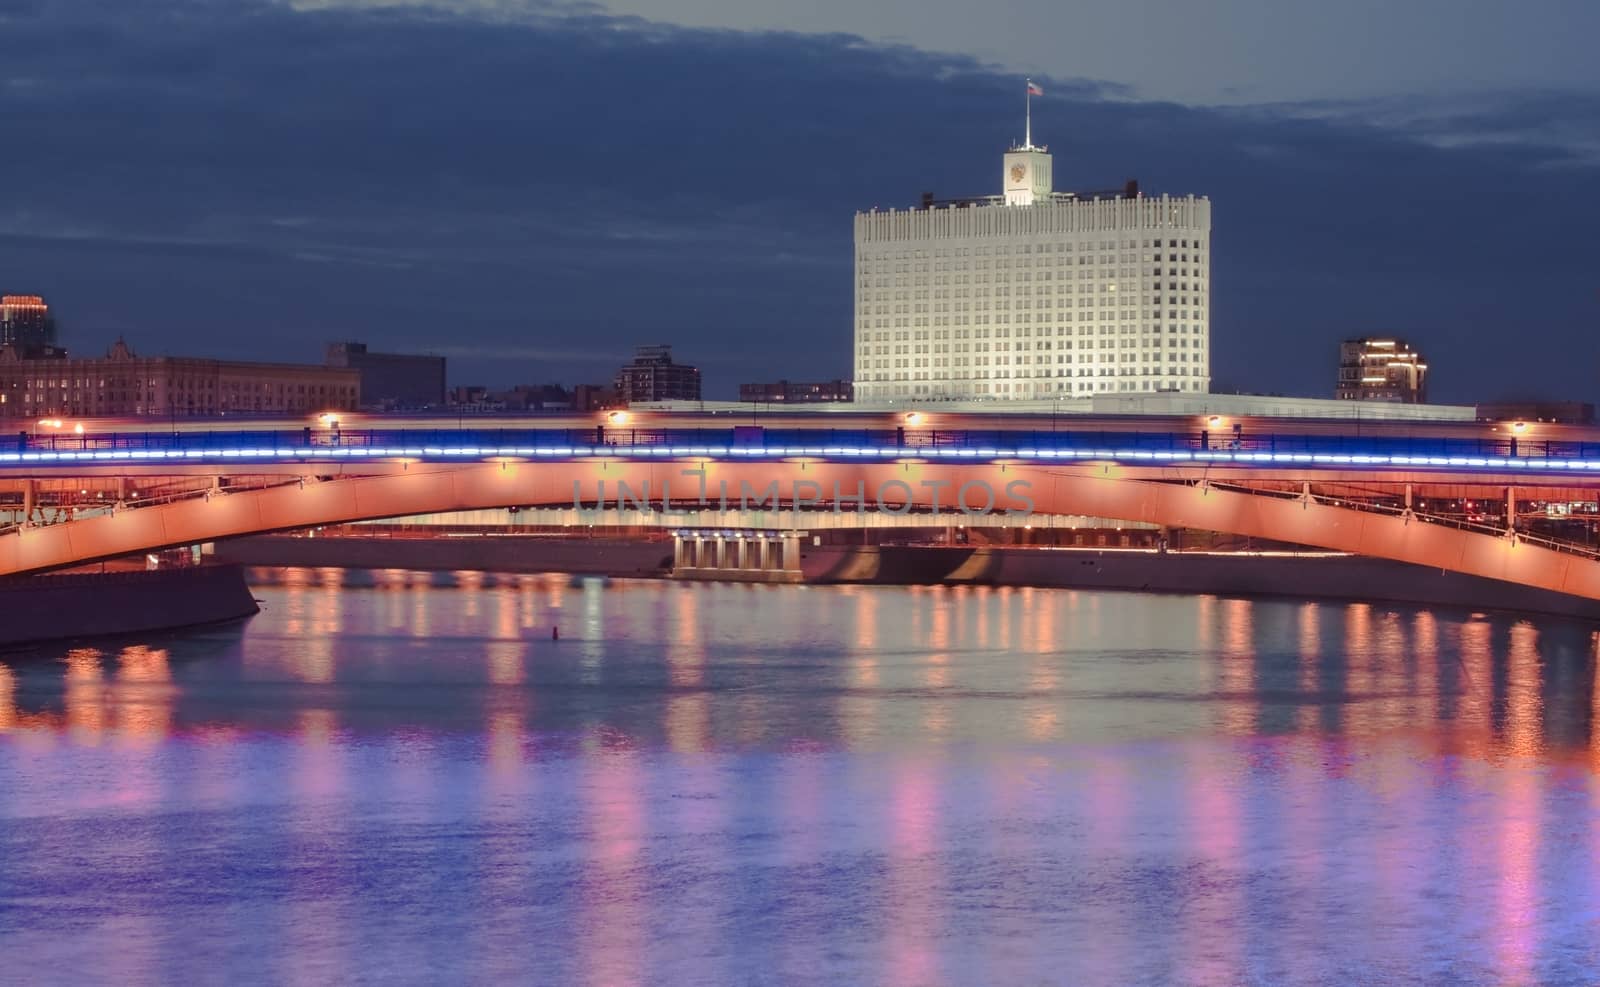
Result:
x=401 y=777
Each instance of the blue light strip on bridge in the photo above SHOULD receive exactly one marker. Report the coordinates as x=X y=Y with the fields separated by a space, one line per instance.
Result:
x=748 y=453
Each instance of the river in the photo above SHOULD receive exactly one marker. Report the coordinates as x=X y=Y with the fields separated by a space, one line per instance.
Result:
x=391 y=776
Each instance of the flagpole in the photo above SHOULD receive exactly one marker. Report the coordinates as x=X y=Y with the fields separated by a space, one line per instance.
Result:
x=1027 y=102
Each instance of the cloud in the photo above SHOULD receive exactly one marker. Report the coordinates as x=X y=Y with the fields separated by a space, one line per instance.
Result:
x=539 y=187
x=1563 y=128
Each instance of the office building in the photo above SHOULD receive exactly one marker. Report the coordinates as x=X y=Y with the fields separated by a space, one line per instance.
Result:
x=26 y=323
x=1033 y=294
x=797 y=392
x=124 y=385
x=652 y=376
x=1381 y=369
x=392 y=381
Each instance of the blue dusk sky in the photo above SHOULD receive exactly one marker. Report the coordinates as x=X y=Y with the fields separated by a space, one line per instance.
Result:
x=532 y=189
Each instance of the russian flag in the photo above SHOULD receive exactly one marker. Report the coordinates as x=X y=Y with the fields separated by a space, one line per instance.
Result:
x=1033 y=89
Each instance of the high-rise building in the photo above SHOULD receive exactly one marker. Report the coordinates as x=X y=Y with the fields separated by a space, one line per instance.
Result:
x=1033 y=293
x=1381 y=369
x=797 y=392
x=652 y=376
x=392 y=381
x=26 y=323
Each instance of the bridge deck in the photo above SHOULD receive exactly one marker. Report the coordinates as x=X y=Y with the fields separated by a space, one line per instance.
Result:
x=1313 y=451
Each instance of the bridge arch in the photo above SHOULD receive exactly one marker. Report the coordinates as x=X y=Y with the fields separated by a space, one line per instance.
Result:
x=1096 y=491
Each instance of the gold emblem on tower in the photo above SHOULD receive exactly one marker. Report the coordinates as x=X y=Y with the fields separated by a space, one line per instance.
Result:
x=1018 y=172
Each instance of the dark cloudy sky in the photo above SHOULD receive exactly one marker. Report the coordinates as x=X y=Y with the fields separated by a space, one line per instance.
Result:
x=533 y=189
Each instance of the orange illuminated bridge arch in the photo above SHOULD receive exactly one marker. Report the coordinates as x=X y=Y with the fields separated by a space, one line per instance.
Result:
x=1062 y=490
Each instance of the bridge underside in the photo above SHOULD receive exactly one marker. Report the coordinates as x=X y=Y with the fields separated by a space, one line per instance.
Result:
x=1271 y=510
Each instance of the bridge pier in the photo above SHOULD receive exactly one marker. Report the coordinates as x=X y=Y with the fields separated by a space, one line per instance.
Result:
x=746 y=556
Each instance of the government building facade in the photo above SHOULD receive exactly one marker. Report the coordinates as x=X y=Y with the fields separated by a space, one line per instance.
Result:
x=1033 y=294
x=123 y=384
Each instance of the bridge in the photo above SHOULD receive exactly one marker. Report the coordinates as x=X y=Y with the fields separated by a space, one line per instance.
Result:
x=1510 y=503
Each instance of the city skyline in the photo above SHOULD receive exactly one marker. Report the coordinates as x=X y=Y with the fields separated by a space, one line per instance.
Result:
x=491 y=212
x=1156 y=540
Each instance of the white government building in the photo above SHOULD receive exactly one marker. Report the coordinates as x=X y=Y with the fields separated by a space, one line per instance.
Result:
x=1034 y=294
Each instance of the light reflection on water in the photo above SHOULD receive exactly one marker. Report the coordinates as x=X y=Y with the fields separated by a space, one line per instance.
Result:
x=397 y=774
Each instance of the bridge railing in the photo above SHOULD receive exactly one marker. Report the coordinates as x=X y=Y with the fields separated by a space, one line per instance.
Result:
x=1382 y=506
x=760 y=440
x=137 y=501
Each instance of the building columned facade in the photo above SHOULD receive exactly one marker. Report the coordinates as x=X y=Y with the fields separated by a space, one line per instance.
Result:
x=1033 y=294
x=652 y=376
x=1381 y=369
x=124 y=385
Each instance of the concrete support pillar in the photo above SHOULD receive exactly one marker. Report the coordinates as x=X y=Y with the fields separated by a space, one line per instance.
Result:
x=30 y=496
x=1408 y=498
x=791 y=551
x=700 y=551
x=1511 y=509
x=763 y=551
x=677 y=553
